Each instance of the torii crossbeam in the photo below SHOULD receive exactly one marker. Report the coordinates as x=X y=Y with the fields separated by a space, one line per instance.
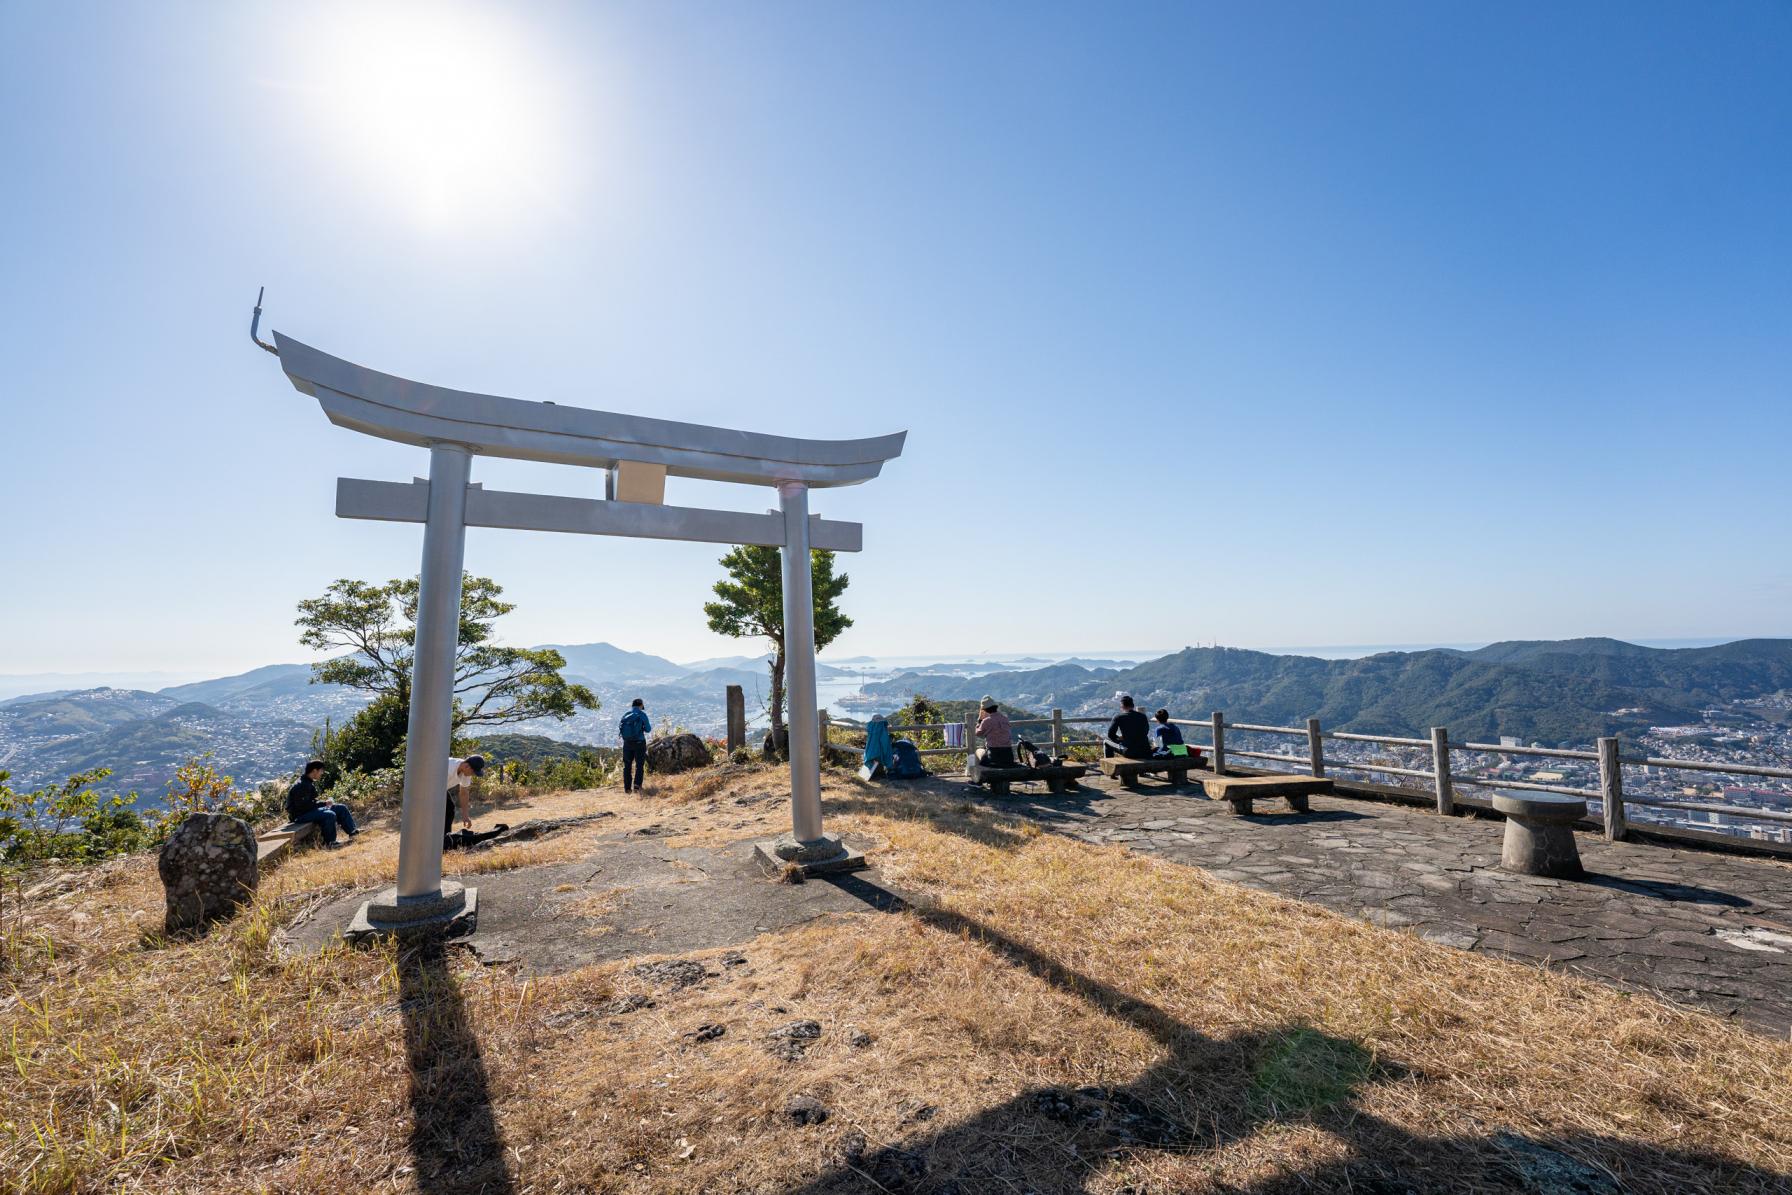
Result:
x=637 y=454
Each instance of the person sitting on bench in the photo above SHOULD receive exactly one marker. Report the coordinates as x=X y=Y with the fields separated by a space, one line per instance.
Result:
x=994 y=729
x=1129 y=734
x=303 y=805
x=1169 y=735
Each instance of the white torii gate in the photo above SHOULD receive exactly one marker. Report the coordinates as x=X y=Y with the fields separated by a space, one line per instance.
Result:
x=638 y=454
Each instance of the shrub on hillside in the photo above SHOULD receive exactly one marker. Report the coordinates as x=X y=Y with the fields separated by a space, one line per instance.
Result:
x=52 y=823
x=371 y=741
x=362 y=791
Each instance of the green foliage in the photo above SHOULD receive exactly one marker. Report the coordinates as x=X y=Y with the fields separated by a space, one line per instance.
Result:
x=369 y=742
x=198 y=787
x=52 y=823
x=73 y=822
x=377 y=626
x=750 y=604
x=527 y=748
x=361 y=791
x=593 y=767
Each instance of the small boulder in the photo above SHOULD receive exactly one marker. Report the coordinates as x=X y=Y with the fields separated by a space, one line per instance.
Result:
x=208 y=870
x=677 y=753
x=805 y=1109
x=673 y=973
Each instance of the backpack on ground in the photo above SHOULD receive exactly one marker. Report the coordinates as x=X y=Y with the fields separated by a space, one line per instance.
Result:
x=908 y=761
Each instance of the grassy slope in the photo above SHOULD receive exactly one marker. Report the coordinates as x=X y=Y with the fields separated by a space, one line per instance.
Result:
x=1287 y=1046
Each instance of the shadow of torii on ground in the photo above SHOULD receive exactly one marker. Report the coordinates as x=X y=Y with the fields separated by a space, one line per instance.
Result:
x=1209 y=1092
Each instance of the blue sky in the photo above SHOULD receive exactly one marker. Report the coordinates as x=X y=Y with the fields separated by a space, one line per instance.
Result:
x=1264 y=324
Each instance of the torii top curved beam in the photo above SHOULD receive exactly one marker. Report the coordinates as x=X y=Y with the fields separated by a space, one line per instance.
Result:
x=393 y=408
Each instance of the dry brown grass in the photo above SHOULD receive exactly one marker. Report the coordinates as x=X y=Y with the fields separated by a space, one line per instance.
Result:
x=1287 y=1047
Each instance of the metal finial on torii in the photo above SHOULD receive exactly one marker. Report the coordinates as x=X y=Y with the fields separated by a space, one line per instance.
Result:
x=637 y=454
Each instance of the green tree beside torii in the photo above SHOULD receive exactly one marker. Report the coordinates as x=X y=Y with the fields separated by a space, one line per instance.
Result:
x=750 y=604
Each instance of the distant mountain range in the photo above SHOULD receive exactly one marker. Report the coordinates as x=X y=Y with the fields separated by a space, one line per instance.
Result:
x=258 y=723
x=1569 y=691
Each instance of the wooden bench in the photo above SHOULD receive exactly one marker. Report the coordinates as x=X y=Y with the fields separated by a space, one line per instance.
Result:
x=1127 y=771
x=274 y=845
x=1057 y=777
x=1240 y=791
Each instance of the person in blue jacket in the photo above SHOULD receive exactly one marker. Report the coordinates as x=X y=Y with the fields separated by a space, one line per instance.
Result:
x=634 y=730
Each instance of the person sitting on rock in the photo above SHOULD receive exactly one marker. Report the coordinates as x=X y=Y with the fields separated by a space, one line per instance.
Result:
x=303 y=806
x=1129 y=734
x=994 y=728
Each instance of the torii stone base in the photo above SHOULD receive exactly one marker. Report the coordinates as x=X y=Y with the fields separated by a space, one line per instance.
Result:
x=820 y=856
x=451 y=914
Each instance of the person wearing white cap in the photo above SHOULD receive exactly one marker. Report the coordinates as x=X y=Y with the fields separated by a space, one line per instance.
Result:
x=994 y=729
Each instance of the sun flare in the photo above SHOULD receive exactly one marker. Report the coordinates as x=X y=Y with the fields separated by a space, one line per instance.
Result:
x=446 y=109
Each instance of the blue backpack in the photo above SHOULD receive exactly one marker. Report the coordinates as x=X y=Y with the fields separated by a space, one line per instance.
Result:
x=908 y=761
x=634 y=726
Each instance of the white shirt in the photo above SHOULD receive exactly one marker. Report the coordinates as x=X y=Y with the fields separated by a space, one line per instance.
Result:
x=454 y=777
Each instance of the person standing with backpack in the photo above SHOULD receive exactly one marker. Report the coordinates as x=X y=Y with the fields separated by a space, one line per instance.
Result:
x=634 y=730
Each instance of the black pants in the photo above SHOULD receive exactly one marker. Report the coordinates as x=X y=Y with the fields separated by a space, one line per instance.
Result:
x=997 y=757
x=634 y=762
x=1130 y=753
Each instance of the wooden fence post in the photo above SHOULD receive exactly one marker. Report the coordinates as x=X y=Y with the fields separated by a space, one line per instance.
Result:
x=1057 y=732
x=1219 y=743
x=1611 y=790
x=1315 y=747
x=970 y=738
x=822 y=722
x=1440 y=765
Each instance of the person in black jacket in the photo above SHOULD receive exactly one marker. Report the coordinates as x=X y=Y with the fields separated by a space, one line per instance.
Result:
x=1129 y=734
x=304 y=805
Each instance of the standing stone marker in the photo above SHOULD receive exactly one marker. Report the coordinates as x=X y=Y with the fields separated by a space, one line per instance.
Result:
x=737 y=718
x=208 y=870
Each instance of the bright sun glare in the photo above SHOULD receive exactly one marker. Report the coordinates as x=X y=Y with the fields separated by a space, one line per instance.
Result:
x=444 y=107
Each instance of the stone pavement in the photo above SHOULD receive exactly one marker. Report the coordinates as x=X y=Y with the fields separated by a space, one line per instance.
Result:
x=1698 y=927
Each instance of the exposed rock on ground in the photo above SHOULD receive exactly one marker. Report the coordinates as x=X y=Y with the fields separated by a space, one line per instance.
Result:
x=805 y=1109
x=671 y=974
x=208 y=870
x=538 y=828
x=677 y=753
